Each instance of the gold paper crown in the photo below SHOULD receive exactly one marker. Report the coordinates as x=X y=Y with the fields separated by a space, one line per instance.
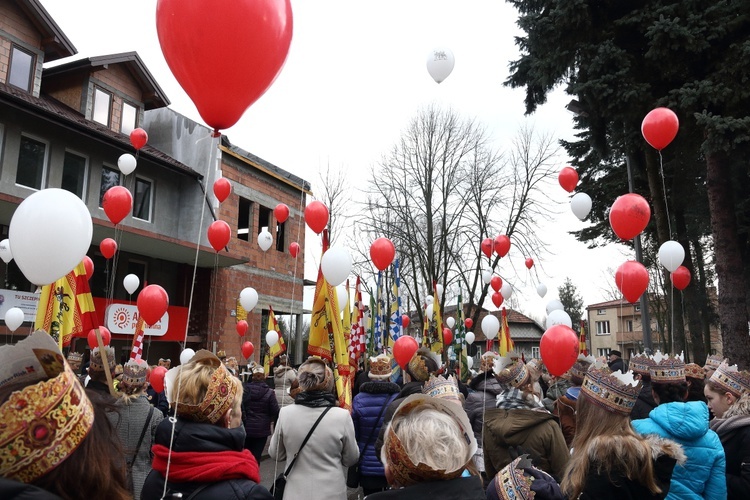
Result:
x=134 y=373
x=417 y=366
x=444 y=388
x=508 y=371
x=512 y=483
x=222 y=354
x=640 y=363
x=219 y=395
x=165 y=362
x=713 y=361
x=668 y=370
x=487 y=362
x=731 y=379
x=693 y=370
x=615 y=392
x=97 y=365
x=380 y=367
x=75 y=357
x=579 y=368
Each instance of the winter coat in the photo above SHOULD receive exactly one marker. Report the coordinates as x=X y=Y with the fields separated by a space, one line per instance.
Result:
x=283 y=376
x=617 y=364
x=318 y=473
x=559 y=388
x=407 y=390
x=485 y=389
x=702 y=474
x=259 y=409
x=644 y=404
x=461 y=488
x=22 y=491
x=734 y=431
x=368 y=409
x=565 y=411
x=158 y=400
x=535 y=432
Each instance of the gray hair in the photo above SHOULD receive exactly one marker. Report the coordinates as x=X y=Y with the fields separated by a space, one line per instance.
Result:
x=314 y=375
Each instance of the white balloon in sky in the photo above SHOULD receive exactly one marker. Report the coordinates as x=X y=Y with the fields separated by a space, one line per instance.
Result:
x=541 y=290
x=558 y=317
x=13 y=318
x=5 y=252
x=554 y=305
x=451 y=322
x=131 y=283
x=439 y=290
x=429 y=312
x=272 y=338
x=470 y=337
x=486 y=276
x=265 y=240
x=186 y=355
x=336 y=265
x=490 y=326
x=506 y=290
x=341 y=295
x=580 y=204
x=671 y=255
x=248 y=298
x=440 y=62
x=429 y=299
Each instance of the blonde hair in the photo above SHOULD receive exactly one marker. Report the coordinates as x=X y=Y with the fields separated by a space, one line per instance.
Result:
x=314 y=375
x=192 y=382
x=237 y=403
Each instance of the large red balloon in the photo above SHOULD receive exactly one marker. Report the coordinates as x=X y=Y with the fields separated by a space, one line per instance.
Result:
x=660 y=127
x=224 y=55
x=568 y=179
x=405 y=320
x=559 y=349
x=219 y=234
x=108 y=247
x=117 y=203
x=529 y=262
x=94 y=342
x=241 y=328
x=496 y=283
x=502 y=245
x=497 y=299
x=680 y=277
x=468 y=323
x=152 y=303
x=294 y=249
x=404 y=349
x=487 y=245
x=631 y=279
x=89 y=265
x=316 y=216
x=447 y=336
x=157 y=378
x=138 y=138
x=247 y=349
x=281 y=212
x=382 y=253
x=629 y=215
x=222 y=189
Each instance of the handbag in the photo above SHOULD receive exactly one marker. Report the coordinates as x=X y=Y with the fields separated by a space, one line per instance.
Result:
x=353 y=474
x=131 y=460
x=277 y=490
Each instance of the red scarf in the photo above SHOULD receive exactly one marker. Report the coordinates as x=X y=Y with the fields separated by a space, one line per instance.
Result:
x=205 y=466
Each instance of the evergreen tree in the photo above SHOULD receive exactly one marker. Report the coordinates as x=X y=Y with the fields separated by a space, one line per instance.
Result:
x=572 y=302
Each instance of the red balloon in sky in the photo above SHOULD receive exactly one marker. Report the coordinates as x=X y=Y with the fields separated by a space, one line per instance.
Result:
x=680 y=277
x=382 y=253
x=468 y=323
x=405 y=320
x=497 y=299
x=447 y=336
x=138 y=138
x=529 y=263
x=502 y=245
x=224 y=57
x=496 y=283
x=631 y=279
x=241 y=328
x=94 y=342
x=294 y=249
x=316 y=216
x=152 y=303
x=559 y=349
x=89 y=265
x=281 y=212
x=487 y=245
x=117 y=203
x=219 y=234
x=568 y=179
x=404 y=349
x=222 y=189
x=659 y=127
x=108 y=247
x=247 y=349
x=629 y=215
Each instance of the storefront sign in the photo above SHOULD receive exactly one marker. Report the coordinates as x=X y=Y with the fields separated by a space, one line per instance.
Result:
x=122 y=319
x=26 y=301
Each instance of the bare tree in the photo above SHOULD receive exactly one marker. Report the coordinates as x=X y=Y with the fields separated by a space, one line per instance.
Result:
x=336 y=195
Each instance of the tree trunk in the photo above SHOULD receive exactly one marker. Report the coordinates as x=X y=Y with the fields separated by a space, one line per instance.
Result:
x=732 y=290
x=706 y=314
x=690 y=295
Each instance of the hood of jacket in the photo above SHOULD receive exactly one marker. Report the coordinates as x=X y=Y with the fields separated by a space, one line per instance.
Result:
x=686 y=421
x=379 y=387
x=487 y=382
x=608 y=450
x=515 y=426
x=199 y=436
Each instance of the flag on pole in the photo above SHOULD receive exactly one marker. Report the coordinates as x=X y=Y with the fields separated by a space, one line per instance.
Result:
x=463 y=365
x=370 y=343
x=66 y=307
x=378 y=336
x=582 y=347
x=278 y=348
x=136 y=350
x=396 y=328
x=437 y=346
x=506 y=342
x=357 y=337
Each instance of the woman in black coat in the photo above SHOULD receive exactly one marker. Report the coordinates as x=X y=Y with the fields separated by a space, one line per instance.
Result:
x=259 y=409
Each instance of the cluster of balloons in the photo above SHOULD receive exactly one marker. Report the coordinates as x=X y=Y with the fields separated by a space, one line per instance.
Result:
x=580 y=203
x=500 y=245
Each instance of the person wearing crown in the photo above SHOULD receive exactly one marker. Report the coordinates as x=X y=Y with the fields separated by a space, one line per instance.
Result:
x=520 y=424
x=696 y=381
x=98 y=381
x=713 y=361
x=520 y=480
x=609 y=459
x=702 y=474
x=728 y=395
x=640 y=365
x=565 y=406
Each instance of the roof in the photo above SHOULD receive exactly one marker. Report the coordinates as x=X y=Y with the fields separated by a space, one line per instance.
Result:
x=153 y=96
x=609 y=303
x=54 y=42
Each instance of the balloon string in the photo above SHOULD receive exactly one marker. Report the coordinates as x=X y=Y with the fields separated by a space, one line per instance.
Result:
x=664 y=192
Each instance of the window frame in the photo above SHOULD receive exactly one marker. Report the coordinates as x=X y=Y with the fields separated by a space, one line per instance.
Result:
x=86 y=162
x=604 y=351
x=243 y=233
x=603 y=323
x=15 y=47
x=150 y=198
x=535 y=352
x=119 y=182
x=45 y=163
x=122 y=116
x=109 y=106
x=601 y=312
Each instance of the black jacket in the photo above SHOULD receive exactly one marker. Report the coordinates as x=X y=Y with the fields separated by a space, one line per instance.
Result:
x=734 y=432
x=23 y=491
x=644 y=404
x=617 y=364
x=259 y=409
x=158 y=400
x=462 y=488
x=616 y=486
x=408 y=389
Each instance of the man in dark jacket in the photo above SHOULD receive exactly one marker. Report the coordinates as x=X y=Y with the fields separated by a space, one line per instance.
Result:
x=259 y=409
x=615 y=361
x=645 y=402
x=98 y=380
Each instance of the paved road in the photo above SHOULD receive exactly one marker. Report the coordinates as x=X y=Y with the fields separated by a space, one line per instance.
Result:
x=269 y=469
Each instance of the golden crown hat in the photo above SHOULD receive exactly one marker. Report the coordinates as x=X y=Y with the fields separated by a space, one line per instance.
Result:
x=512 y=483
x=487 y=361
x=580 y=367
x=511 y=371
x=667 y=371
x=381 y=367
x=96 y=363
x=75 y=357
x=640 y=363
x=444 y=388
x=134 y=373
x=693 y=370
x=417 y=366
x=46 y=416
x=222 y=354
x=731 y=379
x=219 y=395
x=615 y=392
x=713 y=361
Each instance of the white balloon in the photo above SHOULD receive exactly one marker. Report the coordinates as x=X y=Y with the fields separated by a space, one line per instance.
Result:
x=5 y=252
x=131 y=283
x=248 y=298
x=342 y=297
x=186 y=355
x=429 y=299
x=470 y=337
x=439 y=289
x=671 y=255
x=506 y=290
x=272 y=338
x=429 y=312
x=336 y=265
x=541 y=290
x=558 y=317
x=451 y=322
x=440 y=63
x=265 y=240
x=126 y=163
x=580 y=204
x=554 y=305
x=469 y=362
x=13 y=318
x=50 y=215
x=486 y=276
x=490 y=326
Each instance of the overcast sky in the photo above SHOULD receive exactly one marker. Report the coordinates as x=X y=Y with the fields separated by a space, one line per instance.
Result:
x=355 y=75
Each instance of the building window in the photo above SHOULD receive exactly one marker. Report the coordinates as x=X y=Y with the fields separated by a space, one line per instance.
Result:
x=603 y=351
x=129 y=118
x=142 y=199
x=602 y=328
x=280 y=231
x=601 y=312
x=243 y=219
x=110 y=178
x=629 y=325
x=32 y=161
x=102 y=105
x=21 y=68
x=74 y=174
x=535 y=352
x=264 y=217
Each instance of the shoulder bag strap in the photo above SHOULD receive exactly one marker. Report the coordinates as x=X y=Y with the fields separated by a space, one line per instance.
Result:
x=388 y=401
x=289 y=467
x=143 y=433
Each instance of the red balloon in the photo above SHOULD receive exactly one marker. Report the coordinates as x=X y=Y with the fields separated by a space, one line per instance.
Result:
x=242 y=327
x=468 y=323
x=157 y=378
x=89 y=265
x=502 y=245
x=404 y=349
x=382 y=253
x=222 y=189
x=487 y=245
x=247 y=349
x=496 y=283
x=497 y=299
x=316 y=216
x=405 y=320
x=152 y=303
x=219 y=234
x=294 y=249
x=281 y=212
x=629 y=215
x=225 y=58
x=93 y=342
x=568 y=179
x=559 y=349
x=108 y=247
x=447 y=336
x=680 y=277
x=529 y=263
x=117 y=203
x=138 y=138
x=659 y=127
x=631 y=279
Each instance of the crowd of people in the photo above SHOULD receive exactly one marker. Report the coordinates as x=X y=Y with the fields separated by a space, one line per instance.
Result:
x=660 y=429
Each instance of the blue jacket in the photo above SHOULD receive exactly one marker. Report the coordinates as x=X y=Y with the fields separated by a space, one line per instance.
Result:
x=372 y=397
x=259 y=409
x=703 y=474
